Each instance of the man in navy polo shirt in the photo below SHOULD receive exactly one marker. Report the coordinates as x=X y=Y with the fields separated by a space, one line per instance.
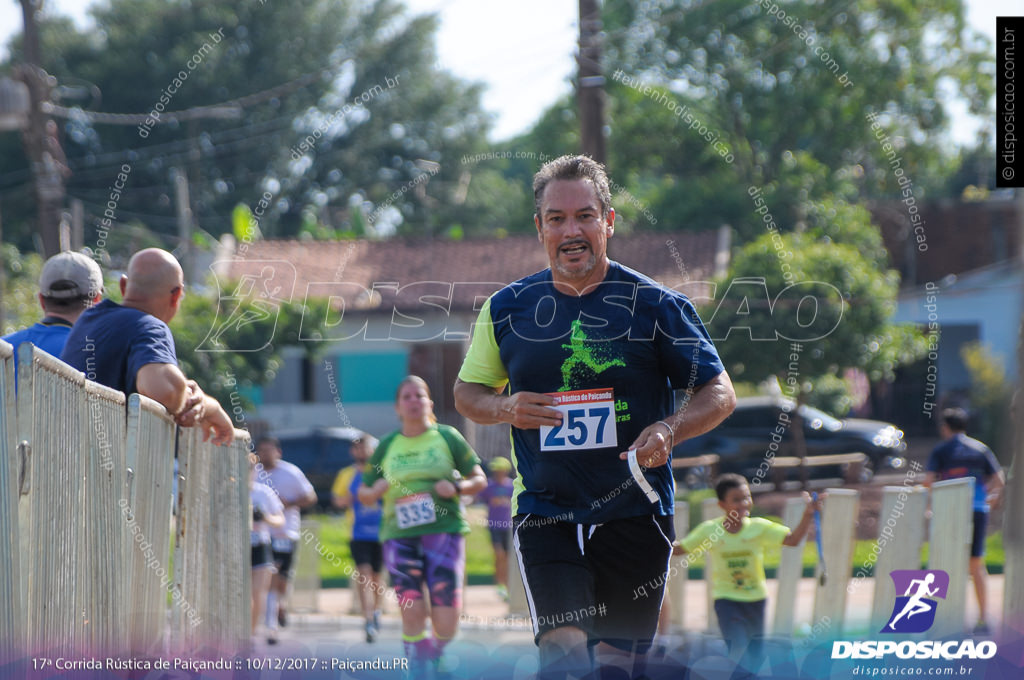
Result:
x=129 y=346
x=582 y=359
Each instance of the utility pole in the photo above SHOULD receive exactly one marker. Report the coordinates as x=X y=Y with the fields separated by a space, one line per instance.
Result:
x=77 y=224
x=1013 y=534
x=590 y=87
x=184 y=211
x=49 y=185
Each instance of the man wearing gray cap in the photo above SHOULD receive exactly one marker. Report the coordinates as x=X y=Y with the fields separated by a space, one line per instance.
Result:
x=69 y=284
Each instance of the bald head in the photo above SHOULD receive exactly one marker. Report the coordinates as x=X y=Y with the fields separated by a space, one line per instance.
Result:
x=152 y=272
x=153 y=283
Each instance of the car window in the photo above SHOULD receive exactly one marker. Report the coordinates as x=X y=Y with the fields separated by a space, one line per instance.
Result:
x=338 y=455
x=300 y=451
x=319 y=456
x=752 y=417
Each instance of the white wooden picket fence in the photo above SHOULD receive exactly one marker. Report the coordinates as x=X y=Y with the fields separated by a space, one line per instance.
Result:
x=96 y=556
x=902 y=517
x=903 y=512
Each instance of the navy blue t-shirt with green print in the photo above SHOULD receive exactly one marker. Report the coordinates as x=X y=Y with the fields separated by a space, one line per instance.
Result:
x=630 y=342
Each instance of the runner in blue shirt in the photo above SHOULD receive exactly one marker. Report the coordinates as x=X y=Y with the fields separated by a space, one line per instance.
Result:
x=960 y=456
x=365 y=544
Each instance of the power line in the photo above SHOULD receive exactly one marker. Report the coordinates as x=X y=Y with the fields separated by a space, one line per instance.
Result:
x=229 y=109
x=113 y=159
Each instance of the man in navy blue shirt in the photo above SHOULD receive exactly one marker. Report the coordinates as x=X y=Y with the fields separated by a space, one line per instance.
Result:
x=960 y=456
x=68 y=285
x=129 y=346
x=582 y=360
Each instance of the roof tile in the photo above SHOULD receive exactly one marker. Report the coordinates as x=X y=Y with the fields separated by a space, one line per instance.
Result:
x=681 y=259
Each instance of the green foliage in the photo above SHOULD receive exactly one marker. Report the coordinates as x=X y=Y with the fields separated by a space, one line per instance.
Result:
x=794 y=120
x=694 y=500
x=822 y=288
x=830 y=220
x=671 y=170
x=411 y=117
x=830 y=394
x=230 y=346
x=498 y=198
x=991 y=394
x=690 y=81
x=21 y=287
x=243 y=225
x=747 y=389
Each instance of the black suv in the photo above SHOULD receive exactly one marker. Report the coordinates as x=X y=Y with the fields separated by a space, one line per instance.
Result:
x=744 y=439
x=320 y=453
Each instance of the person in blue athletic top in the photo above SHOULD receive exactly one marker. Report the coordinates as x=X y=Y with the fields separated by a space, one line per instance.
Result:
x=365 y=543
x=961 y=456
x=69 y=284
x=582 y=359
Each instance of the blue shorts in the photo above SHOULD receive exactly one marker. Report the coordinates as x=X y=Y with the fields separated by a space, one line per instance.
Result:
x=501 y=537
x=742 y=625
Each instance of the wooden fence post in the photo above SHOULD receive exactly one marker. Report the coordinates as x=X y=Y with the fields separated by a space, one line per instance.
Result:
x=839 y=518
x=900 y=538
x=949 y=549
x=790 y=572
x=12 y=591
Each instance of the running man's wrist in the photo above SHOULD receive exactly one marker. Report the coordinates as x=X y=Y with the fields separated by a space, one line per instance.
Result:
x=671 y=433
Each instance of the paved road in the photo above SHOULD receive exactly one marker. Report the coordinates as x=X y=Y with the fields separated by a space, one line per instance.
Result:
x=491 y=644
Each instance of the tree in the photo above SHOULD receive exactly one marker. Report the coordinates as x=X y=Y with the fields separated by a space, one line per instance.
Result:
x=804 y=306
x=344 y=115
x=787 y=87
x=21 y=285
x=247 y=356
x=664 y=176
x=991 y=395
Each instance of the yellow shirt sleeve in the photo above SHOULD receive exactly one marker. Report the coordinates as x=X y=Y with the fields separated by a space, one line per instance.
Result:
x=482 y=364
x=342 y=483
x=772 y=533
x=697 y=535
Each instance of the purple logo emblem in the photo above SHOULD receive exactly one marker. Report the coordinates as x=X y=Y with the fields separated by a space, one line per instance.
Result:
x=914 y=610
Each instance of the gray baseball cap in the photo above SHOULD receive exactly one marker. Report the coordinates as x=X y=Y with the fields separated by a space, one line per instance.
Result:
x=69 y=275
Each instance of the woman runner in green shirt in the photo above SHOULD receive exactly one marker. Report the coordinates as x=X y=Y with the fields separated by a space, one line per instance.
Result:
x=413 y=470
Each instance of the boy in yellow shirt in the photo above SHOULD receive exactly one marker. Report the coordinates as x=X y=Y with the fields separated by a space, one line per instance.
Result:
x=735 y=554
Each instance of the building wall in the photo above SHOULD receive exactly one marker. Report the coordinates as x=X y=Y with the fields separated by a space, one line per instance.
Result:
x=994 y=308
x=957 y=237
x=352 y=381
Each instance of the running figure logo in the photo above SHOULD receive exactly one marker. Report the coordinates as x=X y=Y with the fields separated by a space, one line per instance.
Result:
x=584 y=355
x=246 y=319
x=914 y=611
